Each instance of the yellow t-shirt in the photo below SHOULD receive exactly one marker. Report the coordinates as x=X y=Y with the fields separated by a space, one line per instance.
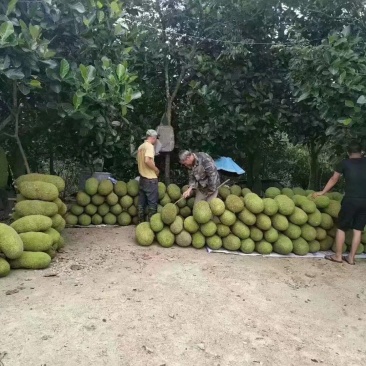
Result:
x=146 y=150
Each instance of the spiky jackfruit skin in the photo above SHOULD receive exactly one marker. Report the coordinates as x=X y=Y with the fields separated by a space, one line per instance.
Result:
x=31 y=260
x=234 y=204
x=247 y=246
x=263 y=222
x=254 y=203
x=271 y=235
x=96 y=219
x=105 y=187
x=97 y=199
x=208 y=229
x=245 y=191
x=321 y=201
x=165 y=238
x=241 y=230
x=4 y=267
x=165 y=200
x=283 y=245
x=161 y=190
x=58 y=202
x=63 y=210
x=228 y=218
x=235 y=190
x=190 y=202
x=217 y=206
x=185 y=212
x=247 y=217
x=299 y=200
x=214 y=242
x=126 y=202
x=308 y=232
x=308 y=206
x=301 y=246
x=286 y=205
x=116 y=209
x=124 y=219
x=32 y=223
x=132 y=210
x=293 y=231
x=84 y=220
x=326 y=222
x=202 y=212
x=55 y=180
x=314 y=246
x=38 y=191
x=133 y=188
x=287 y=192
x=174 y=192
x=256 y=234
x=120 y=188
x=299 y=191
x=223 y=230
x=298 y=217
x=270 y=206
x=110 y=219
x=58 y=222
x=10 y=242
x=263 y=247
x=224 y=192
x=71 y=219
x=169 y=213
x=183 y=239
x=315 y=218
x=280 y=222
x=321 y=234
x=90 y=209
x=191 y=225
x=103 y=209
x=82 y=199
x=333 y=209
x=182 y=203
x=272 y=192
x=91 y=186
x=177 y=226
x=144 y=235
x=231 y=242
x=112 y=199
x=326 y=243
x=77 y=210
x=156 y=223
x=198 y=240
x=36 y=241
x=36 y=207
x=54 y=234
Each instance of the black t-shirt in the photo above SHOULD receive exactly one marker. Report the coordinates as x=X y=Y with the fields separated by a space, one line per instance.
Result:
x=354 y=172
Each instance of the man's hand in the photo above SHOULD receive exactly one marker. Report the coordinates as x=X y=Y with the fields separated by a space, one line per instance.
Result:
x=317 y=194
x=157 y=171
x=187 y=193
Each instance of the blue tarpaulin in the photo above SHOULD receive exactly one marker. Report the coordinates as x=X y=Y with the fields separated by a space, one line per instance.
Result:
x=228 y=165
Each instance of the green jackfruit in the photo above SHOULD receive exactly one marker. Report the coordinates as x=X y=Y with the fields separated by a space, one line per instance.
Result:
x=287 y=192
x=165 y=238
x=116 y=209
x=271 y=235
x=166 y=199
x=272 y=192
x=234 y=204
x=62 y=211
x=299 y=191
x=308 y=206
x=91 y=186
x=336 y=196
x=322 y=202
x=245 y=191
x=177 y=226
x=217 y=206
x=223 y=230
x=182 y=203
x=55 y=180
x=10 y=242
x=270 y=206
x=208 y=229
x=190 y=225
x=263 y=247
x=32 y=223
x=333 y=208
x=183 y=239
x=224 y=192
x=36 y=207
x=332 y=231
x=280 y=222
x=247 y=246
x=31 y=260
x=124 y=219
x=198 y=240
x=301 y=246
x=36 y=241
x=263 y=222
x=105 y=187
x=293 y=231
x=126 y=202
x=60 y=243
x=71 y=219
x=169 y=213
x=241 y=230
x=91 y=209
x=38 y=191
x=214 y=242
x=283 y=245
x=132 y=210
x=112 y=199
x=308 y=232
x=82 y=199
x=299 y=200
x=228 y=218
x=133 y=188
x=202 y=212
x=120 y=188
x=298 y=217
x=84 y=220
x=286 y=205
x=327 y=221
x=314 y=246
x=59 y=203
x=185 y=212
x=326 y=243
x=144 y=235
x=103 y=209
x=156 y=223
x=54 y=234
x=231 y=242
x=247 y=217
x=4 y=267
x=256 y=234
x=254 y=203
x=58 y=222
x=174 y=192
x=110 y=219
x=161 y=190
x=309 y=192
x=190 y=202
x=97 y=199
x=235 y=190
x=320 y=233
x=77 y=210
x=97 y=219
x=315 y=218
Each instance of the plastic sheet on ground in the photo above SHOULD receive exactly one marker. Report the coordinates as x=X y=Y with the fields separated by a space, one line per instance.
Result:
x=317 y=255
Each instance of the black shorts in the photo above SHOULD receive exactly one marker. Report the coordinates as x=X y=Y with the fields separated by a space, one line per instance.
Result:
x=352 y=214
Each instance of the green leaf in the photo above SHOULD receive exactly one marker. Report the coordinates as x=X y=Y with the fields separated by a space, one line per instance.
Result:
x=4 y=63
x=11 y=6
x=35 y=31
x=6 y=30
x=64 y=68
x=349 y=103
x=303 y=96
x=79 y=7
x=361 y=100
x=345 y=121
x=77 y=100
x=99 y=138
x=124 y=110
x=106 y=62
x=56 y=87
x=115 y=7
x=90 y=74
x=120 y=71
x=14 y=74
x=346 y=31
x=24 y=89
x=35 y=83
x=83 y=71
x=136 y=95
x=99 y=5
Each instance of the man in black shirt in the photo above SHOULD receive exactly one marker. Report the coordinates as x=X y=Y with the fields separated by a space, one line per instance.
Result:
x=353 y=209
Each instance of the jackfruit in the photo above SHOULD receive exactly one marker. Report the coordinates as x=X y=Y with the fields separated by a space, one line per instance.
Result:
x=309 y=192
x=82 y=199
x=126 y=202
x=286 y=205
x=315 y=218
x=112 y=199
x=55 y=180
x=156 y=223
x=58 y=222
x=301 y=247
x=336 y=196
x=299 y=200
x=174 y=192
x=103 y=209
x=116 y=209
x=234 y=204
x=314 y=246
x=32 y=223
x=185 y=212
x=320 y=233
x=133 y=188
x=165 y=238
x=247 y=246
x=135 y=220
x=287 y=192
x=177 y=226
x=84 y=220
x=293 y=231
x=247 y=217
x=283 y=245
x=202 y=212
x=245 y=191
x=235 y=190
x=144 y=235
x=271 y=235
x=54 y=234
x=263 y=247
x=120 y=188
x=124 y=219
x=270 y=206
x=272 y=192
x=298 y=217
x=31 y=260
x=91 y=186
x=217 y=206
x=4 y=267
x=198 y=240
x=228 y=218
x=105 y=187
x=71 y=219
x=231 y=242
x=308 y=232
x=280 y=222
x=332 y=231
x=223 y=230
x=10 y=242
x=333 y=208
x=166 y=199
x=256 y=234
x=62 y=211
x=97 y=199
x=132 y=210
x=321 y=201
x=182 y=203
x=214 y=242
x=183 y=239
x=327 y=221
x=169 y=213
x=38 y=191
x=36 y=241
x=241 y=230
x=326 y=243
x=208 y=229
x=299 y=191
x=190 y=202
x=253 y=203
x=76 y=209
x=36 y=207
x=263 y=222
x=224 y=192
x=110 y=219
x=161 y=190
x=190 y=225
x=334 y=247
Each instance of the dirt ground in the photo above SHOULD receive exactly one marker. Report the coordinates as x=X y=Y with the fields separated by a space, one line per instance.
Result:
x=107 y=301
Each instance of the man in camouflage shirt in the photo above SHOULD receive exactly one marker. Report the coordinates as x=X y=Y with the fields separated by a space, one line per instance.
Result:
x=203 y=175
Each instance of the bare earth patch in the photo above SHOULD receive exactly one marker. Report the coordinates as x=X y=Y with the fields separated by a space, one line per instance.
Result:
x=107 y=301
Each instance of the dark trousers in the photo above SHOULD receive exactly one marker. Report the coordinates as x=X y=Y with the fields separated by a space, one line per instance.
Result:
x=148 y=197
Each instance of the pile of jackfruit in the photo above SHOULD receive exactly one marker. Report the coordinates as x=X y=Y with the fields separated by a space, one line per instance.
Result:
x=34 y=237
x=284 y=221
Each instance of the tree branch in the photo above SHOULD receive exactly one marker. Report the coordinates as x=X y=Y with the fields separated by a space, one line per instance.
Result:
x=5 y=122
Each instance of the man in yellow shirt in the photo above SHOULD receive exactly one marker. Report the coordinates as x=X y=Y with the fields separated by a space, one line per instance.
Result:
x=149 y=195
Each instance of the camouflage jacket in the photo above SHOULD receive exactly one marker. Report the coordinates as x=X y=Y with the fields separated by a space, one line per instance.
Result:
x=204 y=175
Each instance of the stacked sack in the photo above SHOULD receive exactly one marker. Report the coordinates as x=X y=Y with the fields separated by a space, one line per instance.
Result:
x=287 y=221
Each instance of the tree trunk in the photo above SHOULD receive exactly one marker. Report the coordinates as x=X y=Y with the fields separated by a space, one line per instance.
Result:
x=314 y=166
x=52 y=167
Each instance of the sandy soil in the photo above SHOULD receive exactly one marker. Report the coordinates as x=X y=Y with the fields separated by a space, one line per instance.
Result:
x=114 y=303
